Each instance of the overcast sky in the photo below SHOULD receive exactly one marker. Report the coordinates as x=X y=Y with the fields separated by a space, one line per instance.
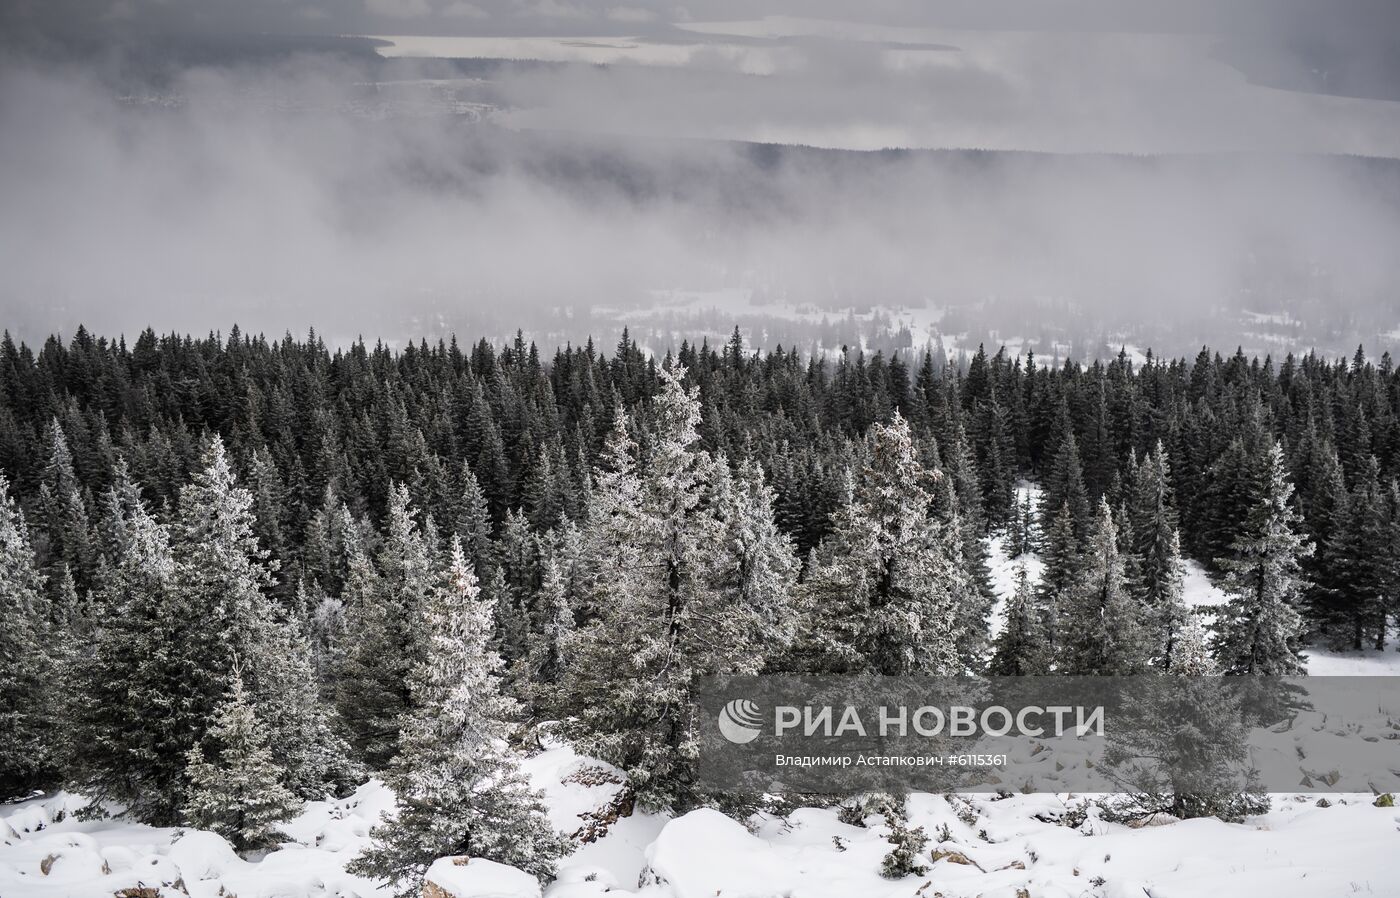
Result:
x=282 y=190
x=1290 y=18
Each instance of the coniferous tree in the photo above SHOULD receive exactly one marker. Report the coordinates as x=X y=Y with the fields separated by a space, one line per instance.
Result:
x=756 y=565
x=144 y=691
x=656 y=558
x=882 y=591
x=28 y=731
x=1363 y=567
x=1103 y=635
x=1063 y=553
x=234 y=783
x=1328 y=525
x=64 y=511
x=1260 y=629
x=1021 y=648
x=1021 y=535
x=224 y=575
x=382 y=643
x=1155 y=541
x=1169 y=615
x=548 y=657
x=1065 y=487
x=1189 y=654
x=459 y=789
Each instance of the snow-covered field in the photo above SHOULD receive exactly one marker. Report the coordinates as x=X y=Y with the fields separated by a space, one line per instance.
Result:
x=989 y=847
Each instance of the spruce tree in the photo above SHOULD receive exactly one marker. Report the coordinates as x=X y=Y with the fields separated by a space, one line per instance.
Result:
x=665 y=613
x=1189 y=654
x=64 y=515
x=226 y=577
x=1152 y=516
x=459 y=789
x=1021 y=648
x=28 y=731
x=1103 y=634
x=148 y=688
x=1260 y=629
x=1168 y=615
x=1064 y=486
x=548 y=656
x=235 y=785
x=1362 y=563
x=1063 y=553
x=382 y=606
x=883 y=592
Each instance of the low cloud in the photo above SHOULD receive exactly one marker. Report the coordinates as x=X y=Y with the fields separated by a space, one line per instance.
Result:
x=311 y=194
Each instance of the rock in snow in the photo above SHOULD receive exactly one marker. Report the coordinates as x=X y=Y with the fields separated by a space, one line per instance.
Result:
x=456 y=877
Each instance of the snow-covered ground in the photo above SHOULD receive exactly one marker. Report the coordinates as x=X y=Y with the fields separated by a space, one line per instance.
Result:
x=985 y=846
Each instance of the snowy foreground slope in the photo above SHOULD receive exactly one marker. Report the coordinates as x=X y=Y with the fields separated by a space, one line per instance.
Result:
x=991 y=847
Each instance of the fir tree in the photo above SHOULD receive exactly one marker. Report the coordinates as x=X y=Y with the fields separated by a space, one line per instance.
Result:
x=225 y=577
x=1260 y=629
x=1363 y=567
x=28 y=730
x=1189 y=654
x=1103 y=635
x=883 y=592
x=1168 y=614
x=1064 y=487
x=148 y=689
x=1063 y=553
x=1155 y=541
x=234 y=783
x=548 y=655
x=657 y=557
x=459 y=789
x=382 y=606
x=1021 y=648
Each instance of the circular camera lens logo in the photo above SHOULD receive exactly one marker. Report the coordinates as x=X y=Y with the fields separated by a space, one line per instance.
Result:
x=740 y=721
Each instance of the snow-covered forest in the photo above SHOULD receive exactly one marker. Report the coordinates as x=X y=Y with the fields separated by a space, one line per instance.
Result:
x=243 y=578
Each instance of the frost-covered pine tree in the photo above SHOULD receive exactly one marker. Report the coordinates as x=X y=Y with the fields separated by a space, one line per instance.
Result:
x=224 y=575
x=548 y=657
x=883 y=593
x=1167 y=615
x=1259 y=631
x=1021 y=648
x=665 y=613
x=64 y=515
x=28 y=732
x=1180 y=746
x=147 y=689
x=1189 y=652
x=756 y=566
x=382 y=608
x=235 y=785
x=1102 y=633
x=1063 y=554
x=1155 y=540
x=459 y=789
